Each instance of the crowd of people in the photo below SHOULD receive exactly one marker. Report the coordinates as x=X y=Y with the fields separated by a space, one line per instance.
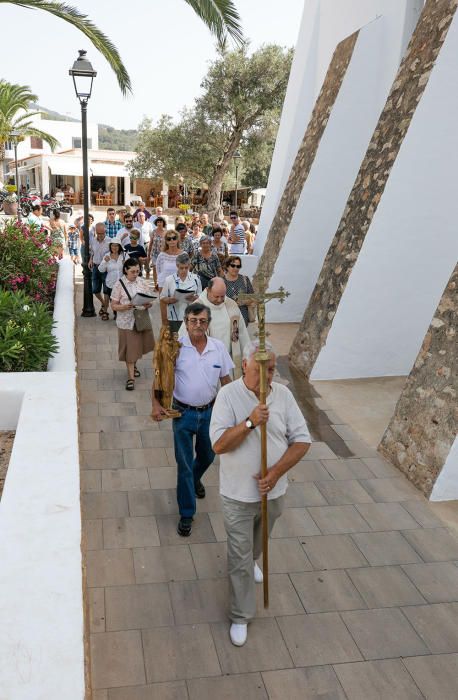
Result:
x=193 y=261
x=196 y=271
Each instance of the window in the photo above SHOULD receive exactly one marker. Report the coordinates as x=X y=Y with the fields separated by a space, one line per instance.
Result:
x=36 y=142
x=76 y=142
x=9 y=146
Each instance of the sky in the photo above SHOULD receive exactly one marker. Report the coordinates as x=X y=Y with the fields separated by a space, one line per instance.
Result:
x=165 y=47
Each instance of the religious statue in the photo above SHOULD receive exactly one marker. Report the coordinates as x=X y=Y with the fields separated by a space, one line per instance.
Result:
x=164 y=360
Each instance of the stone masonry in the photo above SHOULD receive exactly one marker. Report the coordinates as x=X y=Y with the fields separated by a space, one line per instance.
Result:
x=394 y=122
x=306 y=155
x=418 y=441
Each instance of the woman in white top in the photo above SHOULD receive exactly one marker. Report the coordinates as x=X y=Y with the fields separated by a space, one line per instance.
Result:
x=180 y=289
x=166 y=260
x=132 y=344
x=112 y=265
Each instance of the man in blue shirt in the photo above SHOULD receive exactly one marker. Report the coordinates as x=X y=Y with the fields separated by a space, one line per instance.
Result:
x=112 y=225
x=203 y=363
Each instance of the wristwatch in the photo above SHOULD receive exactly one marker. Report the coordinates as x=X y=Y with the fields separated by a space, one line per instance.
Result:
x=249 y=424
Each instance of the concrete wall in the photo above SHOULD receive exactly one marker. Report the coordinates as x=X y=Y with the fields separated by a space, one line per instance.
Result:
x=411 y=247
x=343 y=145
x=324 y=24
x=446 y=486
x=41 y=603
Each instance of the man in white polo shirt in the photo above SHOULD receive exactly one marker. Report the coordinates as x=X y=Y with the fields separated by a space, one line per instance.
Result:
x=236 y=436
x=202 y=363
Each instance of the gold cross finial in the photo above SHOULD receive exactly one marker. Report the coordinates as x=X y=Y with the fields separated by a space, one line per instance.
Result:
x=260 y=298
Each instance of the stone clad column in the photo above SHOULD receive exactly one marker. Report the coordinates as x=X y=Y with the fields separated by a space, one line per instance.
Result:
x=306 y=155
x=424 y=425
x=394 y=122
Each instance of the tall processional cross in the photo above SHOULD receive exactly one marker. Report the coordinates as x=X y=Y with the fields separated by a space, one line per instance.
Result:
x=260 y=298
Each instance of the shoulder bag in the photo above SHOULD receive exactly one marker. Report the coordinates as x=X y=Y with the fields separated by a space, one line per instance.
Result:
x=142 y=320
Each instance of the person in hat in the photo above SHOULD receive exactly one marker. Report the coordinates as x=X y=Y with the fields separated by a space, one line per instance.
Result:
x=134 y=249
x=73 y=239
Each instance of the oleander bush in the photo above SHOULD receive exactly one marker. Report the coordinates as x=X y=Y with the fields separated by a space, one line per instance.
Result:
x=28 y=261
x=26 y=338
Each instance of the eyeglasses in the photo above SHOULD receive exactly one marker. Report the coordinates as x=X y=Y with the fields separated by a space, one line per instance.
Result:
x=234 y=218
x=198 y=321
x=234 y=265
x=172 y=238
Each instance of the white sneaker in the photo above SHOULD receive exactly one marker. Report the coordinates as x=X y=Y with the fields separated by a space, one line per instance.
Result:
x=258 y=575
x=238 y=634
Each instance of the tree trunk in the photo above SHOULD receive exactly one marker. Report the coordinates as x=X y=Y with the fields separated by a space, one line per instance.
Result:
x=214 y=207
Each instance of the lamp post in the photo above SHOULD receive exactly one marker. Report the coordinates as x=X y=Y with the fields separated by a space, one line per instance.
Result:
x=236 y=158
x=83 y=75
x=15 y=136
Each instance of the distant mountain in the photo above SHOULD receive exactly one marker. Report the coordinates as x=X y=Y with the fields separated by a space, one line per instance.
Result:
x=109 y=138
x=117 y=139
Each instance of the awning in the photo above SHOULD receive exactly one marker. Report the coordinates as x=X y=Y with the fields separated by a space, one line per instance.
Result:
x=65 y=166
x=108 y=169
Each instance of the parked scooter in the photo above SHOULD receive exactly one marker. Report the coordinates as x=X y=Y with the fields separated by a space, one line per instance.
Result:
x=28 y=200
x=50 y=203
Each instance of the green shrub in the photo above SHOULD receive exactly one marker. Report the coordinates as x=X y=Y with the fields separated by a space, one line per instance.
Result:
x=28 y=260
x=26 y=339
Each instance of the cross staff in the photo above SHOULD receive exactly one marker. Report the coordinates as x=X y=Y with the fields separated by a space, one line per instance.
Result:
x=261 y=297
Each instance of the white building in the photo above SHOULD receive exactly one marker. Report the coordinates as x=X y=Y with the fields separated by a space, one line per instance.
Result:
x=40 y=168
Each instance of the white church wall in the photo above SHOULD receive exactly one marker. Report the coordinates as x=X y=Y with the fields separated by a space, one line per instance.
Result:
x=411 y=248
x=353 y=119
x=324 y=24
x=446 y=486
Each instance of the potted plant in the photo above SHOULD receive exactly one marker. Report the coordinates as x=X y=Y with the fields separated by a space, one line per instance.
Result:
x=10 y=204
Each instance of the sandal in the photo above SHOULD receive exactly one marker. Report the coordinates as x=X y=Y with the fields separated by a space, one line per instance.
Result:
x=105 y=316
x=136 y=372
x=130 y=385
x=101 y=311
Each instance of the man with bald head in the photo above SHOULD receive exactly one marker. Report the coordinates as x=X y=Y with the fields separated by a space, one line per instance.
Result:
x=227 y=322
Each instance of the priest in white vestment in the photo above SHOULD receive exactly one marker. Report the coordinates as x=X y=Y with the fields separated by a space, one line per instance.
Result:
x=226 y=323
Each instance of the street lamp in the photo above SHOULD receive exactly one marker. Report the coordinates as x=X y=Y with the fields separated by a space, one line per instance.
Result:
x=83 y=75
x=15 y=135
x=236 y=158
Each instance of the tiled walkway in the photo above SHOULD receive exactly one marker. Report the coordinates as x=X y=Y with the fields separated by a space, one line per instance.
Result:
x=364 y=577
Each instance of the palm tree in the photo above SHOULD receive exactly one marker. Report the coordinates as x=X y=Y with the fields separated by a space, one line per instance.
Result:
x=220 y=16
x=16 y=117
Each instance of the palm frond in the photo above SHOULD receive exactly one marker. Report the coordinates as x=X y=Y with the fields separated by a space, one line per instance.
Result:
x=19 y=119
x=221 y=17
x=79 y=20
x=14 y=97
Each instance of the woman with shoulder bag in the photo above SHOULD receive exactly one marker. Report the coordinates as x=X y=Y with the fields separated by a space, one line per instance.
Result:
x=239 y=284
x=135 y=333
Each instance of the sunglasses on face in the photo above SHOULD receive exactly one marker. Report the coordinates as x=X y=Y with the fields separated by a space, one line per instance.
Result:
x=233 y=218
x=171 y=238
x=234 y=265
x=198 y=321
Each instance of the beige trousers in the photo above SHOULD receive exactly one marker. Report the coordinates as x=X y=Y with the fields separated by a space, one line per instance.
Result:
x=244 y=545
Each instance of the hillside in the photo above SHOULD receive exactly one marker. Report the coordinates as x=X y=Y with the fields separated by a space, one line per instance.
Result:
x=117 y=139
